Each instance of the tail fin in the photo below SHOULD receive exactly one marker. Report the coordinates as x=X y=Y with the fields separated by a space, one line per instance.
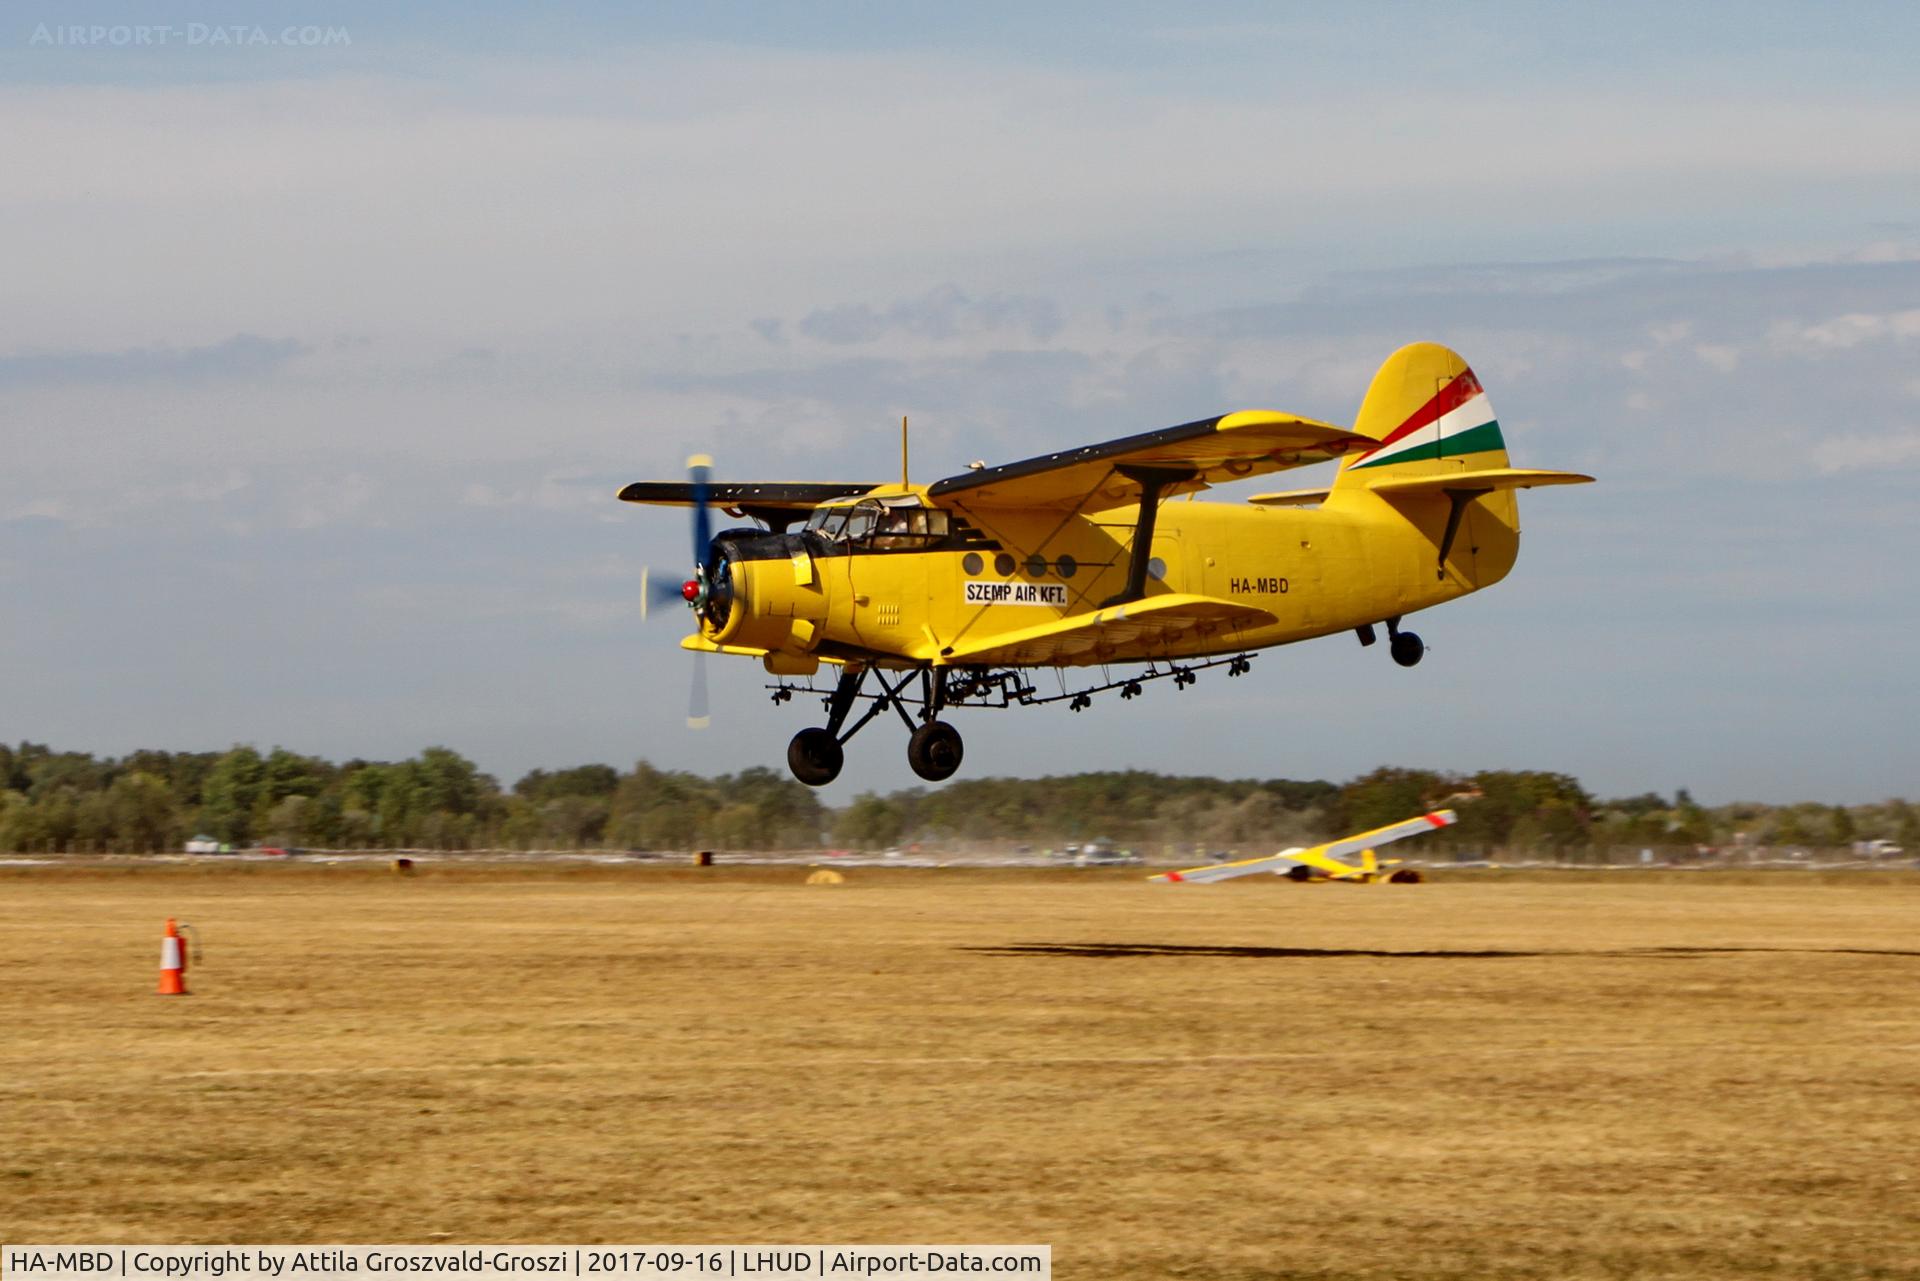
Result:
x=1433 y=421
x=1431 y=417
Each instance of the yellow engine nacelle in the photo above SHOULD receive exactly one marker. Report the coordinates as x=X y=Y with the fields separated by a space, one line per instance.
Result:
x=771 y=604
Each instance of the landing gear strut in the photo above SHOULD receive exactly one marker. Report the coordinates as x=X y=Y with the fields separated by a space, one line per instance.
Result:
x=934 y=750
x=815 y=755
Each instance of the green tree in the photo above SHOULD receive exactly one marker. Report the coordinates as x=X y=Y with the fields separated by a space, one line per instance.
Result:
x=285 y=774
x=1388 y=794
x=871 y=822
x=232 y=790
x=582 y=780
x=143 y=814
x=1907 y=827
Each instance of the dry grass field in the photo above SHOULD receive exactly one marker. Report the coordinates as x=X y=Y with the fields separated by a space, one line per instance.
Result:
x=1473 y=1078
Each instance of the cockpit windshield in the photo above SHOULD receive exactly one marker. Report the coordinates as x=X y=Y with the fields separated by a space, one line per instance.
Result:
x=878 y=527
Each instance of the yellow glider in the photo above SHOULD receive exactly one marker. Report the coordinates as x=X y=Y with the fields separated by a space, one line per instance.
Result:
x=1325 y=859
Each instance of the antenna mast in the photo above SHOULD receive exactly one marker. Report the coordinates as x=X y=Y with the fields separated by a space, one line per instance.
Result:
x=903 y=451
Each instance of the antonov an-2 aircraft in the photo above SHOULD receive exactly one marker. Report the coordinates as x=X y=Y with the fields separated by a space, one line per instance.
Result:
x=950 y=595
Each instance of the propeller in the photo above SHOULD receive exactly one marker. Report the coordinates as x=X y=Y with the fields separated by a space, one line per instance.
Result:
x=658 y=590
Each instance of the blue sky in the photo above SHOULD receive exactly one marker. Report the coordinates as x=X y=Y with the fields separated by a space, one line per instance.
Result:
x=319 y=365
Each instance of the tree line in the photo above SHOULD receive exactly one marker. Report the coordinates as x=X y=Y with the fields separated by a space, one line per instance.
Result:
x=149 y=801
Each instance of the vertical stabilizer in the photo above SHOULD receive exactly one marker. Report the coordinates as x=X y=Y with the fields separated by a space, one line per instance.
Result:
x=1433 y=419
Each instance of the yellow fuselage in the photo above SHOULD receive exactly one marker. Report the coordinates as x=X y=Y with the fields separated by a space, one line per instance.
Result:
x=1353 y=560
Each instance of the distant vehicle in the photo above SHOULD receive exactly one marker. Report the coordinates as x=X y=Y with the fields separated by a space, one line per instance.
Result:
x=1102 y=852
x=1878 y=849
x=203 y=845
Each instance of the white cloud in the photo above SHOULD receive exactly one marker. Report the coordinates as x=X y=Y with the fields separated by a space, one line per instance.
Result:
x=331 y=500
x=1721 y=356
x=1857 y=452
x=42 y=509
x=1849 y=330
x=698 y=182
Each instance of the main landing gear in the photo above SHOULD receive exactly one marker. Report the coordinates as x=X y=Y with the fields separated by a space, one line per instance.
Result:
x=1407 y=649
x=934 y=749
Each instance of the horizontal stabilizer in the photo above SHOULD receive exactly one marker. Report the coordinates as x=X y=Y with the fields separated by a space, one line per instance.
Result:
x=1486 y=478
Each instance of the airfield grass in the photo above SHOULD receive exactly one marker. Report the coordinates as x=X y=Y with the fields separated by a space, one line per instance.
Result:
x=1473 y=1078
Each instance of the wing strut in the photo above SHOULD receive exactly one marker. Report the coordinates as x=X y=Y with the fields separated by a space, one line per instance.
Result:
x=1153 y=481
x=1459 y=498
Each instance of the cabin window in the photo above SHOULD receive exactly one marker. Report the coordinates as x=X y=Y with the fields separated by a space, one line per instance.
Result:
x=881 y=528
x=908 y=528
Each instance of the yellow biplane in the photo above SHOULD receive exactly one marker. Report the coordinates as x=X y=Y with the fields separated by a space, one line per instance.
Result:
x=1325 y=862
x=948 y=595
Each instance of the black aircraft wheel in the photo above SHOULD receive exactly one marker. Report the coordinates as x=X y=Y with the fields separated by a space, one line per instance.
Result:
x=815 y=757
x=934 y=751
x=1405 y=876
x=1299 y=872
x=1407 y=649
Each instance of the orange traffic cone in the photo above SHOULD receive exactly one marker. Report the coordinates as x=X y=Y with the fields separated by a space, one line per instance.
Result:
x=173 y=962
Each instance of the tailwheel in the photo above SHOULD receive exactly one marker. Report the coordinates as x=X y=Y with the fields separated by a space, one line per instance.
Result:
x=815 y=757
x=1406 y=648
x=934 y=751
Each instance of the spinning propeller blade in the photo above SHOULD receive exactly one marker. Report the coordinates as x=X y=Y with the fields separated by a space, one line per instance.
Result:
x=697 y=717
x=658 y=590
x=700 y=472
x=662 y=588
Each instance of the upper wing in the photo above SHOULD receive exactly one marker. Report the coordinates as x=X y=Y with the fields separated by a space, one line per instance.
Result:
x=1077 y=635
x=1325 y=857
x=785 y=497
x=1211 y=451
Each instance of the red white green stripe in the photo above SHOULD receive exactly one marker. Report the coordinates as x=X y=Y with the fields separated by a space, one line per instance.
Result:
x=1458 y=420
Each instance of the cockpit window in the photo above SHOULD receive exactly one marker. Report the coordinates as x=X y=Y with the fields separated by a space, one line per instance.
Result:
x=875 y=526
x=828 y=521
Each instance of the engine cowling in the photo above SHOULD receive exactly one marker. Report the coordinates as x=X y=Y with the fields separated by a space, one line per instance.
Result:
x=766 y=592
